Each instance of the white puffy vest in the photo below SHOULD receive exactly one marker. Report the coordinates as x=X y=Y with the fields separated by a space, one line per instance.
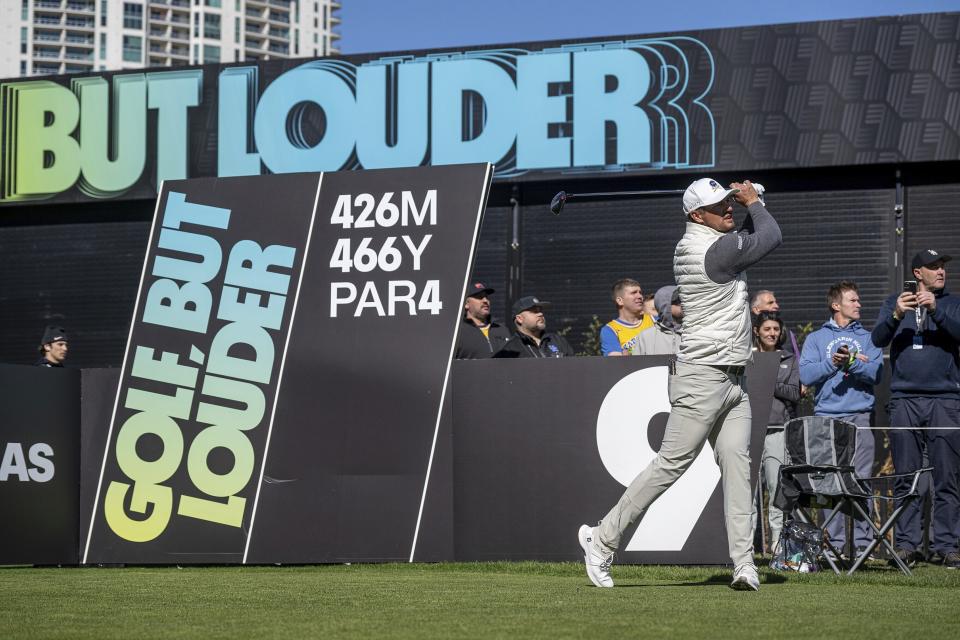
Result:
x=716 y=317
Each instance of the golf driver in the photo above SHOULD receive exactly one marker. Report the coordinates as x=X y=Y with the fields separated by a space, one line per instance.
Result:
x=556 y=205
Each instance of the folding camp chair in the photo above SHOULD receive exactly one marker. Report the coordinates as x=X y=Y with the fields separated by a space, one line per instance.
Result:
x=818 y=473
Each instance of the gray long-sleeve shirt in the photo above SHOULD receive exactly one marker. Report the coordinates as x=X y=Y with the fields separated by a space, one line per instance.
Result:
x=735 y=252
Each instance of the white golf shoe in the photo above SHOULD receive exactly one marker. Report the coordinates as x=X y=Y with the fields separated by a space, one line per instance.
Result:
x=598 y=565
x=745 y=578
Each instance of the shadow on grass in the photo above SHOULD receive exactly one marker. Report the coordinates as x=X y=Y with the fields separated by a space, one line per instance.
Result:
x=715 y=580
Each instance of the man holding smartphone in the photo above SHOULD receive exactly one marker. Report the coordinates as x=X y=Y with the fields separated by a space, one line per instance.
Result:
x=922 y=327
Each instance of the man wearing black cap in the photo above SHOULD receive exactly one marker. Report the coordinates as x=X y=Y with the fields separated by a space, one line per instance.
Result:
x=480 y=337
x=53 y=347
x=531 y=339
x=923 y=331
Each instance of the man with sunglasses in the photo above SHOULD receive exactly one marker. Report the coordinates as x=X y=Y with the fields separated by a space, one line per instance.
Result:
x=708 y=393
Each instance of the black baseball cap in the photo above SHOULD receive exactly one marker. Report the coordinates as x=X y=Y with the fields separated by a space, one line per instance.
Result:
x=928 y=256
x=478 y=289
x=528 y=302
x=54 y=334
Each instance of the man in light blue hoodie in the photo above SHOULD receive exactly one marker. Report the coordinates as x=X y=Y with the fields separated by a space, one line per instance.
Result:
x=841 y=361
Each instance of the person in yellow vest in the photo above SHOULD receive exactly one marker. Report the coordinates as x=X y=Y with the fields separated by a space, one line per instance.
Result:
x=619 y=336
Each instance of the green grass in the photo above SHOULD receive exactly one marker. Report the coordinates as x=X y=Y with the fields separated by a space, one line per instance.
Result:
x=489 y=600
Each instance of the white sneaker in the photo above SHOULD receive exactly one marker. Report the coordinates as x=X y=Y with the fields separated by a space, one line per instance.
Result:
x=745 y=578
x=598 y=565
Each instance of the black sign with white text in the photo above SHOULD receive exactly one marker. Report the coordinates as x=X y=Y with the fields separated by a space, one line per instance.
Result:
x=39 y=465
x=558 y=450
x=284 y=374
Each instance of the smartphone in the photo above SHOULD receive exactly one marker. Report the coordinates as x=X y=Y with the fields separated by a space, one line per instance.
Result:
x=910 y=286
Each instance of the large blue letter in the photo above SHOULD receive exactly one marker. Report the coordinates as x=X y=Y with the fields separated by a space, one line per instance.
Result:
x=593 y=107
x=284 y=148
x=407 y=109
x=451 y=78
x=534 y=149
x=237 y=102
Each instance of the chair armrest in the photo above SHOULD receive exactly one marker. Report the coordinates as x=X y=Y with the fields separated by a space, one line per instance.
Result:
x=814 y=468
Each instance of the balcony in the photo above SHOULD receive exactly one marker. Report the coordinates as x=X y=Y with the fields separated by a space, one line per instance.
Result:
x=40 y=5
x=282 y=49
x=79 y=41
x=180 y=3
x=47 y=20
x=254 y=28
x=80 y=7
x=46 y=53
x=283 y=34
x=180 y=34
x=278 y=17
x=178 y=19
x=76 y=55
x=285 y=4
x=46 y=36
x=252 y=44
x=42 y=70
x=256 y=14
x=76 y=23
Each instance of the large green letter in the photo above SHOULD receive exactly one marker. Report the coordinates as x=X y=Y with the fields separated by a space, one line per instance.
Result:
x=104 y=177
x=41 y=158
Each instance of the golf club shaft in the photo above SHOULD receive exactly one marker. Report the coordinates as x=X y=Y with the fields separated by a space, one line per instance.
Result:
x=623 y=194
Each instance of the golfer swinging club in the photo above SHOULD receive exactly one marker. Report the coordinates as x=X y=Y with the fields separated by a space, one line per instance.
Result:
x=708 y=394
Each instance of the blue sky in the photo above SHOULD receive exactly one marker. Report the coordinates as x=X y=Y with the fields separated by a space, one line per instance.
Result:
x=399 y=25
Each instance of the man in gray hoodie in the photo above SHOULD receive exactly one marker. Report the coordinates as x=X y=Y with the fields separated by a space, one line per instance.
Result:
x=664 y=337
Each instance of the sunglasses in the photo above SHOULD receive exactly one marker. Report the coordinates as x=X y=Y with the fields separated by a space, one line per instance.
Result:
x=720 y=208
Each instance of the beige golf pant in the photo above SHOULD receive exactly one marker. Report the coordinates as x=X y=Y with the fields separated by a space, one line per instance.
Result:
x=706 y=403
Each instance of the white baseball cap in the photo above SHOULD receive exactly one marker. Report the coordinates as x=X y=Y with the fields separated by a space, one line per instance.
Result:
x=703 y=193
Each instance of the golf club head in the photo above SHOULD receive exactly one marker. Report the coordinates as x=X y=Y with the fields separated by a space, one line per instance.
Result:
x=556 y=205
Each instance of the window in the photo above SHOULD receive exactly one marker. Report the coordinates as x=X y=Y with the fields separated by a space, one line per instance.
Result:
x=211 y=53
x=132 y=16
x=132 y=48
x=212 y=3
x=23 y=39
x=103 y=13
x=103 y=46
x=236 y=29
x=196 y=25
x=211 y=26
x=25 y=11
x=23 y=67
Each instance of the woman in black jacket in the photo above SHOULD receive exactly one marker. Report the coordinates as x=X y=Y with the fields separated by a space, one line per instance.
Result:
x=769 y=335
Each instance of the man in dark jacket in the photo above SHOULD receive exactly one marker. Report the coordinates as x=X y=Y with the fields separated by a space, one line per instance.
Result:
x=53 y=347
x=531 y=339
x=480 y=337
x=923 y=331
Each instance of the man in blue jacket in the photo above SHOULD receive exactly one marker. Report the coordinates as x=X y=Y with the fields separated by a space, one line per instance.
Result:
x=841 y=361
x=923 y=331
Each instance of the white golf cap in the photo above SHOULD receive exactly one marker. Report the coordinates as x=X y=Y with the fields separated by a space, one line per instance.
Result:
x=703 y=193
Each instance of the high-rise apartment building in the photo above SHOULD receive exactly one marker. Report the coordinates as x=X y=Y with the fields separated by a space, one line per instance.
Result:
x=45 y=37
